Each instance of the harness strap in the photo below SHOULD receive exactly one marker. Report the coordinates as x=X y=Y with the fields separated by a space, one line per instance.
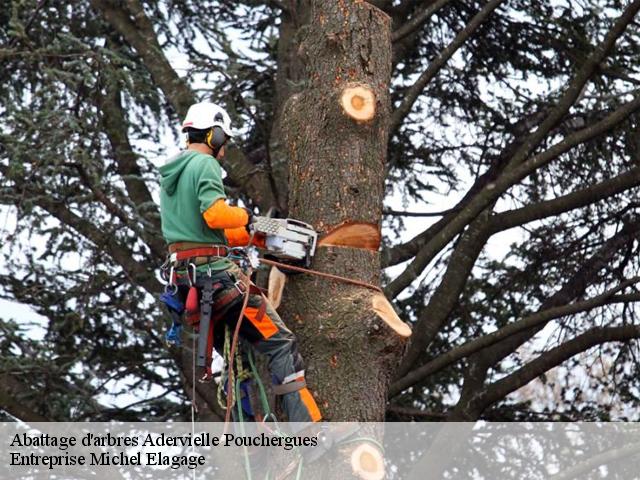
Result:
x=198 y=252
x=204 y=353
x=262 y=309
x=180 y=246
x=246 y=279
x=223 y=302
x=290 y=387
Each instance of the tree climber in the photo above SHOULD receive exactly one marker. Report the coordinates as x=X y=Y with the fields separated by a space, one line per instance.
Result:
x=200 y=229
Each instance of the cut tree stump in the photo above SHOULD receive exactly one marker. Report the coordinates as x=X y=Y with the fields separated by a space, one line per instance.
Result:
x=367 y=462
x=359 y=102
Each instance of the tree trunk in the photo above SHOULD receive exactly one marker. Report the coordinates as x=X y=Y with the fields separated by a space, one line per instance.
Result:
x=334 y=129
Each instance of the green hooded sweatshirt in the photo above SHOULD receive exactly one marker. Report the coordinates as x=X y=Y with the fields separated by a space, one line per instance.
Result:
x=190 y=183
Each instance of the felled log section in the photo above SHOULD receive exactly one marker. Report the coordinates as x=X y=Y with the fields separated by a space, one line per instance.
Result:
x=355 y=235
x=367 y=462
x=385 y=311
x=359 y=102
x=277 y=281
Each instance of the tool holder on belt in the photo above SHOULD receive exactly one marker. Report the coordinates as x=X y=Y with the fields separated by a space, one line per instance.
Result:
x=219 y=291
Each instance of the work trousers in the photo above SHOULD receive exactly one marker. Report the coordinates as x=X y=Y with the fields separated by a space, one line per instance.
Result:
x=269 y=336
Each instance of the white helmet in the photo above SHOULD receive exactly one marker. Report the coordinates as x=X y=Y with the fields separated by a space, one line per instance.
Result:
x=204 y=115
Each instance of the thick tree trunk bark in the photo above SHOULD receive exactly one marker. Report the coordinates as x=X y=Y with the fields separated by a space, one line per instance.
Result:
x=336 y=144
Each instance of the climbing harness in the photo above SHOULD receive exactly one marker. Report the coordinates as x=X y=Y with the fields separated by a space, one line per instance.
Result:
x=203 y=313
x=208 y=311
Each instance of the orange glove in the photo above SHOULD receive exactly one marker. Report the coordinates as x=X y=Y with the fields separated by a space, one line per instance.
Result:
x=239 y=237
x=223 y=216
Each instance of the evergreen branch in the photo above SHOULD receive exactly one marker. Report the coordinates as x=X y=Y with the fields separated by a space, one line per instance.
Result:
x=537 y=319
x=139 y=33
x=446 y=295
x=415 y=412
x=15 y=400
x=137 y=273
x=578 y=470
x=576 y=87
x=155 y=243
x=442 y=232
x=418 y=20
x=573 y=288
x=494 y=190
x=115 y=127
x=411 y=95
x=278 y=4
x=553 y=358
x=582 y=198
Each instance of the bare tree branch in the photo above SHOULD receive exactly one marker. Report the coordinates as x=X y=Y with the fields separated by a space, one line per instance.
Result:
x=581 y=198
x=398 y=213
x=535 y=320
x=412 y=94
x=553 y=358
x=493 y=191
x=418 y=20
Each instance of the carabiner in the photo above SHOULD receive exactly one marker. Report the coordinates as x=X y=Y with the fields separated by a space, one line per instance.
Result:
x=191 y=282
x=171 y=287
x=163 y=269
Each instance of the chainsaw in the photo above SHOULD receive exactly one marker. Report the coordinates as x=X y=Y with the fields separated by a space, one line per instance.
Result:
x=287 y=239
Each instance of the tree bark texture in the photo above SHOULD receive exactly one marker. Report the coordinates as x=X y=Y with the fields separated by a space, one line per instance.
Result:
x=336 y=175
